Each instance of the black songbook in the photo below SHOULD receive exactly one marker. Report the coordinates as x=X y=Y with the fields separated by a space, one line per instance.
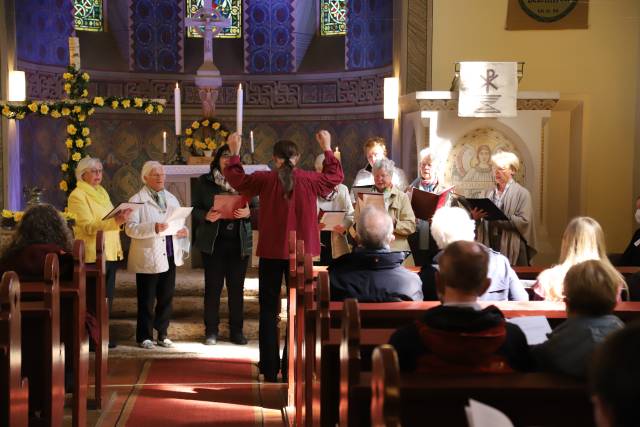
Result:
x=425 y=204
x=493 y=212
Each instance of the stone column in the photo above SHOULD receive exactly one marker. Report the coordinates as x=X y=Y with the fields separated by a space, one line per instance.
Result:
x=10 y=153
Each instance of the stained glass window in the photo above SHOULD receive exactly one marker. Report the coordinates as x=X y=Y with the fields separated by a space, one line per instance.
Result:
x=231 y=8
x=88 y=15
x=333 y=17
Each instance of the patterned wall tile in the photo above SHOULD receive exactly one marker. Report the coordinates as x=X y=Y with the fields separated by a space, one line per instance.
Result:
x=269 y=36
x=369 y=39
x=43 y=28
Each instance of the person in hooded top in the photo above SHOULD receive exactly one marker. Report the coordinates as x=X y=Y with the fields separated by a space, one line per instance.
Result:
x=460 y=336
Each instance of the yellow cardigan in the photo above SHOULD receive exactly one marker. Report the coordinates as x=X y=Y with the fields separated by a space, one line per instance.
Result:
x=89 y=220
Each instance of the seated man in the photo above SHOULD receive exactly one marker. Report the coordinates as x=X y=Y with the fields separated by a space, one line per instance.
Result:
x=615 y=379
x=453 y=224
x=459 y=336
x=372 y=273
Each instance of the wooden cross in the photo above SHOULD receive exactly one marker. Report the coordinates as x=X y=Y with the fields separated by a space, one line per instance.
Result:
x=76 y=109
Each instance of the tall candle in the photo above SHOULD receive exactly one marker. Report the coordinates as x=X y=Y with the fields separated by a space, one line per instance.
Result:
x=177 y=99
x=239 y=110
x=251 y=140
x=337 y=153
x=164 y=142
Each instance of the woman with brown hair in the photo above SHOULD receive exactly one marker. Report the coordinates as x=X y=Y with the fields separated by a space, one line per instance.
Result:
x=288 y=198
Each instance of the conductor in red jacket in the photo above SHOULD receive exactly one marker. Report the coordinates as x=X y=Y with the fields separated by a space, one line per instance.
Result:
x=287 y=202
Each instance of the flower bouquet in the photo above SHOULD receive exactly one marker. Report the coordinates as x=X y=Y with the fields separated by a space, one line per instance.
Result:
x=205 y=136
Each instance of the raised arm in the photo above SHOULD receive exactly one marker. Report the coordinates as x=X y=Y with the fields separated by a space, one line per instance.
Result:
x=248 y=185
x=332 y=173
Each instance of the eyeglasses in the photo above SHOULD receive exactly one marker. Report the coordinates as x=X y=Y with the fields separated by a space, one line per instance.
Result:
x=156 y=175
x=95 y=171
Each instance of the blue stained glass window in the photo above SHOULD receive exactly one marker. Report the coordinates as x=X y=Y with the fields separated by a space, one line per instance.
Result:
x=333 y=17
x=88 y=15
x=230 y=8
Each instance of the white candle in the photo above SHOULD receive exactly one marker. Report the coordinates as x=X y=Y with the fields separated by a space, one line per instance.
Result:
x=74 y=52
x=178 y=112
x=337 y=153
x=239 y=110
x=251 y=140
x=164 y=142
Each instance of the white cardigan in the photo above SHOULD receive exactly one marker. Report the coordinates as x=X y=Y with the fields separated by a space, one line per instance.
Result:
x=148 y=253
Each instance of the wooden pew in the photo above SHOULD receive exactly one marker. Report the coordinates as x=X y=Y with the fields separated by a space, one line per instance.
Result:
x=96 y=279
x=290 y=336
x=42 y=352
x=72 y=315
x=297 y=351
x=14 y=389
x=409 y=399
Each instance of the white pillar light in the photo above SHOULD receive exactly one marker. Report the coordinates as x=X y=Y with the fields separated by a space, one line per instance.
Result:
x=17 y=86
x=391 y=94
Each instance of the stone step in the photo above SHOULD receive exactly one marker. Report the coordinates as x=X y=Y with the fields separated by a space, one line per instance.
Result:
x=185 y=307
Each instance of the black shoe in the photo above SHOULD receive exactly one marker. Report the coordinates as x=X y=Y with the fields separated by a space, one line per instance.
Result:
x=238 y=339
x=211 y=339
x=113 y=343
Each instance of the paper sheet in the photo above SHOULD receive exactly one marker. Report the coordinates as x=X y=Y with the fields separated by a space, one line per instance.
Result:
x=332 y=218
x=176 y=218
x=535 y=328
x=481 y=415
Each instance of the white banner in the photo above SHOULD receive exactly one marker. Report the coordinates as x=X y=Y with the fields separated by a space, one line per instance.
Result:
x=488 y=89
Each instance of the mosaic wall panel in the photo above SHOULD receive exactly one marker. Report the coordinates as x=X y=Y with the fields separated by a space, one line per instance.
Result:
x=124 y=144
x=333 y=17
x=157 y=37
x=369 y=39
x=269 y=36
x=43 y=28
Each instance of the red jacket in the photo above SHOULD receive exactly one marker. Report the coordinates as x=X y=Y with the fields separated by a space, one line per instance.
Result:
x=278 y=215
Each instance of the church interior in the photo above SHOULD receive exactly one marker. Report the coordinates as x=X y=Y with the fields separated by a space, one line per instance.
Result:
x=133 y=81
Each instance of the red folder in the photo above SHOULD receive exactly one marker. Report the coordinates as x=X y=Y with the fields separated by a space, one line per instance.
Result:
x=227 y=203
x=426 y=204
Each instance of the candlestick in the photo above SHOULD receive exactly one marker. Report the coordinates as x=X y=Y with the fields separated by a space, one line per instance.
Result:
x=178 y=113
x=164 y=142
x=177 y=158
x=337 y=153
x=251 y=141
x=239 y=110
x=74 y=52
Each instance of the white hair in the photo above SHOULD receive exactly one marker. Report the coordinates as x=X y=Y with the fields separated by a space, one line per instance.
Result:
x=426 y=152
x=506 y=159
x=451 y=225
x=148 y=167
x=375 y=228
x=318 y=164
x=85 y=163
x=386 y=165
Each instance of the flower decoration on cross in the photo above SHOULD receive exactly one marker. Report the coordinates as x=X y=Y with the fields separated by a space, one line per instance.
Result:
x=76 y=110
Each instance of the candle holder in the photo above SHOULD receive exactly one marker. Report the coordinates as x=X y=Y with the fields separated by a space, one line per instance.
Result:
x=177 y=158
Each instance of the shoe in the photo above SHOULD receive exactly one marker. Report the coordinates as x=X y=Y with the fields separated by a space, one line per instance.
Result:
x=238 y=339
x=113 y=343
x=146 y=344
x=211 y=339
x=166 y=343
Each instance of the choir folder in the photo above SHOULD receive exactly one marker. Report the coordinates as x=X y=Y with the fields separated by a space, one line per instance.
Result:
x=227 y=203
x=425 y=204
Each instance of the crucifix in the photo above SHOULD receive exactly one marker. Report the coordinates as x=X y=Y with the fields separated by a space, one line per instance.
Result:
x=208 y=22
x=76 y=109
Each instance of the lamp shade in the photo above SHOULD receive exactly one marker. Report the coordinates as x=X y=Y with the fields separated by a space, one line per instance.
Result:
x=17 y=86
x=391 y=93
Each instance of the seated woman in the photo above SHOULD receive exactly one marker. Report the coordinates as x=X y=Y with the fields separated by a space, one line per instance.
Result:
x=334 y=242
x=397 y=205
x=591 y=291
x=582 y=240
x=41 y=231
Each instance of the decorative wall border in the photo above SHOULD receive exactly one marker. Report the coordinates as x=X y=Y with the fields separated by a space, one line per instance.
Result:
x=336 y=90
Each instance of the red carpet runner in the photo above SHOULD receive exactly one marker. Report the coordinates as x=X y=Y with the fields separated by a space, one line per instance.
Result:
x=194 y=392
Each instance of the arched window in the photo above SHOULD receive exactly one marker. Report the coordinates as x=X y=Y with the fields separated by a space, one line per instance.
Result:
x=88 y=15
x=333 y=17
x=232 y=8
